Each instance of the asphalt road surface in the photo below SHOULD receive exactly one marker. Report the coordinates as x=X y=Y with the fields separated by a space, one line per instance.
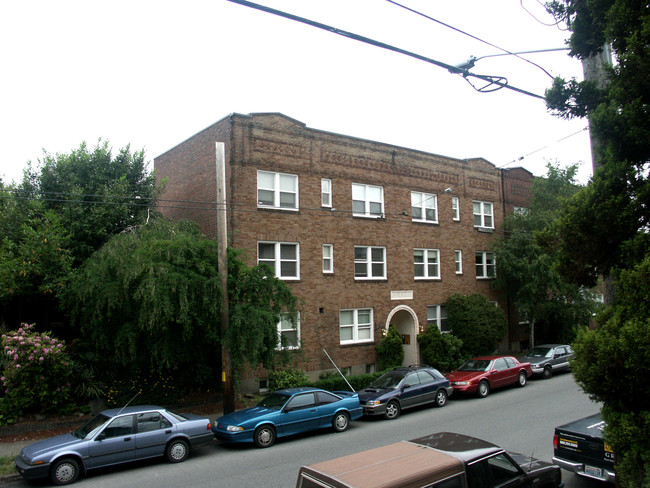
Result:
x=518 y=419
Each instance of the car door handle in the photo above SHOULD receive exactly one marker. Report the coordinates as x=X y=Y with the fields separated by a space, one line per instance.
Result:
x=127 y=439
x=169 y=431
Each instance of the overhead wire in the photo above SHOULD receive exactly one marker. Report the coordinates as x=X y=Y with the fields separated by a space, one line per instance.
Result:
x=506 y=51
x=490 y=80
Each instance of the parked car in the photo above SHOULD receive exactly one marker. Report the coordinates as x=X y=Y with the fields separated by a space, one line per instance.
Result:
x=112 y=437
x=443 y=460
x=481 y=375
x=287 y=412
x=549 y=358
x=404 y=388
x=579 y=447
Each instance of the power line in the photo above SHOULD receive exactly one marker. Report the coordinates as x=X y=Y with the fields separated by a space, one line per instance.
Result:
x=542 y=148
x=508 y=53
x=499 y=81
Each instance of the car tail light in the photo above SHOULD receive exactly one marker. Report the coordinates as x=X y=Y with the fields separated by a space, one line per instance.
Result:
x=555 y=442
x=209 y=426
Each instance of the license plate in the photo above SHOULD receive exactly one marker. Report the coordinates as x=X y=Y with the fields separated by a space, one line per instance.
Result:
x=595 y=472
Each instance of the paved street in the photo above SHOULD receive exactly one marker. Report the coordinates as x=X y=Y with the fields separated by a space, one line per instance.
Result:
x=520 y=420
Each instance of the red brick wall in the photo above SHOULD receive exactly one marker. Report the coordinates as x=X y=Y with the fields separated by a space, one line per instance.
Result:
x=277 y=143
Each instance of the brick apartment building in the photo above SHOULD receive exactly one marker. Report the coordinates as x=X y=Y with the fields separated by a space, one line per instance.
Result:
x=367 y=234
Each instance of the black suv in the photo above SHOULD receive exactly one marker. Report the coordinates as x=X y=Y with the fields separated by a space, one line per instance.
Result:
x=402 y=388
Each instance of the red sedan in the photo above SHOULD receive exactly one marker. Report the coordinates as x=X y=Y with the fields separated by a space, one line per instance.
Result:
x=480 y=375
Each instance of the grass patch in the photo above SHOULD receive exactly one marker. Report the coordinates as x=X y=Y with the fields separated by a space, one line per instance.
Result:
x=7 y=465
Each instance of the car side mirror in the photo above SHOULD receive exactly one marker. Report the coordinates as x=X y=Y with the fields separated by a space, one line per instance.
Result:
x=101 y=437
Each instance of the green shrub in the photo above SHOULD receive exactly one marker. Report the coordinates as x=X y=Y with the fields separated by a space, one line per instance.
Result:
x=390 y=351
x=38 y=373
x=442 y=351
x=334 y=381
x=288 y=378
x=478 y=323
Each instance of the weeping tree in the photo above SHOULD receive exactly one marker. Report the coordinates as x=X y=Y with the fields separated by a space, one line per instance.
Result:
x=149 y=300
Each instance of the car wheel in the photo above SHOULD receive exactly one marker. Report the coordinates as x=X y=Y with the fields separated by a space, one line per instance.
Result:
x=341 y=422
x=177 y=451
x=521 y=380
x=483 y=389
x=392 y=410
x=264 y=436
x=441 y=398
x=547 y=373
x=64 y=471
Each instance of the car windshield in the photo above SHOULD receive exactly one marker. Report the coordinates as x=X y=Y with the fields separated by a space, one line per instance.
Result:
x=274 y=401
x=540 y=352
x=177 y=416
x=91 y=427
x=476 y=365
x=388 y=380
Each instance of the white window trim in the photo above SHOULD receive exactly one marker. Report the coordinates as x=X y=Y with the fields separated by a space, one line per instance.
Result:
x=458 y=261
x=355 y=326
x=455 y=208
x=426 y=264
x=323 y=192
x=368 y=262
x=429 y=201
x=367 y=202
x=484 y=266
x=280 y=347
x=329 y=258
x=276 y=191
x=277 y=261
x=482 y=213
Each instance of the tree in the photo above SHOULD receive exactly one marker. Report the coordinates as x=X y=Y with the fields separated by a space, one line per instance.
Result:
x=479 y=324
x=612 y=366
x=149 y=300
x=604 y=231
x=527 y=262
x=619 y=119
x=95 y=193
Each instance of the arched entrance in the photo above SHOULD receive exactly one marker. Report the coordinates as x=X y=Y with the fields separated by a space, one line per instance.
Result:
x=406 y=321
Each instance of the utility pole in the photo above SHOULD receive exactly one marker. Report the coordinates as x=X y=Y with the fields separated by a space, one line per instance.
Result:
x=593 y=69
x=222 y=260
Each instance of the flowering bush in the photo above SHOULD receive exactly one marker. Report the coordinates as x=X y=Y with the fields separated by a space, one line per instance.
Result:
x=37 y=373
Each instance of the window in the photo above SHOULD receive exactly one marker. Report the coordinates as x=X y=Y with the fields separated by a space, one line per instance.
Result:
x=424 y=207
x=455 y=208
x=328 y=258
x=289 y=331
x=148 y=422
x=483 y=215
x=458 y=259
x=301 y=402
x=277 y=190
x=356 y=325
x=325 y=398
x=369 y=262
x=426 y=263
x=437 y=315
x=493 y=471
x=367 y=200
x=326 y=192
x=119 y=427
x=485 y=265
x=283 y=257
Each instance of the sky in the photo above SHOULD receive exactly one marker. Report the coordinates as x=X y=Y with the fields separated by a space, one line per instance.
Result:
x=153 y=73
